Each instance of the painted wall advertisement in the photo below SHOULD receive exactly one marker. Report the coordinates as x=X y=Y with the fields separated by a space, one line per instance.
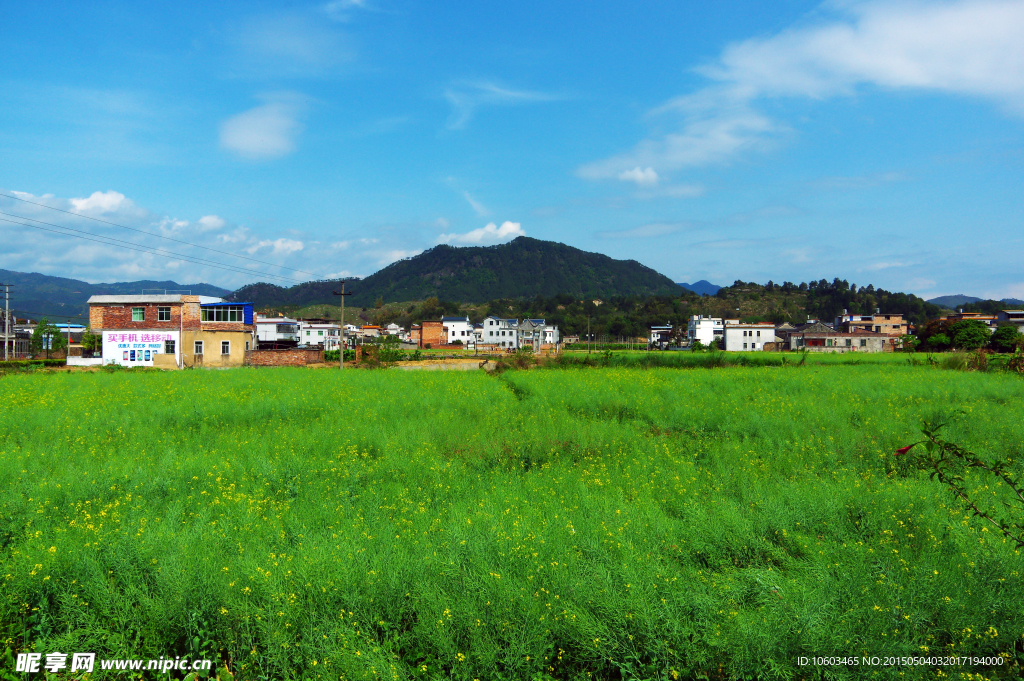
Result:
x=138 y=348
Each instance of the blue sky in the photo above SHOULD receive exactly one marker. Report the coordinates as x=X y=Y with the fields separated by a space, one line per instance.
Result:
x=880 y=142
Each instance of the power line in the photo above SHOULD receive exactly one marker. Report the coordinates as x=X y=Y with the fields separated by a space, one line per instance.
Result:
x=146 y=249
x=106 y=240
x=43 y=314
x=159 y=236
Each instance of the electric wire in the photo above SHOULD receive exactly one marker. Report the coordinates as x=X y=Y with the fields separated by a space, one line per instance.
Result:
x=106 y=240
x=159 y=236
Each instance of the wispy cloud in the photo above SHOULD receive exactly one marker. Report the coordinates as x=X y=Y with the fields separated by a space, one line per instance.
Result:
x=466 y=97
x=279 y=246
x=478 y=207
x=266 y=131
x=288 y=44
x=488 y=234
x=647 y=176
x=648 y=231
x=966 y=47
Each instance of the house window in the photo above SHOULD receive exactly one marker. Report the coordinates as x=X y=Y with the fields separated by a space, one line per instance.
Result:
x=758 y=334
x=138 y=314
x=223 y=313
x=225 y=347
x=849 y=342
x=163 y=314
x=307 y=332
x=863 y=342
x=169 y=347
x=199 y=347
x=247 y=346
x=320 y=333
x=744 y=346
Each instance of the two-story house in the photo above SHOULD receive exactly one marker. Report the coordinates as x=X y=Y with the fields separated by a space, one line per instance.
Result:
x=172 y=331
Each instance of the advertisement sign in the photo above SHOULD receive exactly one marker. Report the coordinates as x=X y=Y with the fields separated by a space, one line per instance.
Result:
x=138 y=348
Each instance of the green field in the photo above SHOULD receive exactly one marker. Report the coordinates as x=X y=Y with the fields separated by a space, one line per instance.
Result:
x=592 y=523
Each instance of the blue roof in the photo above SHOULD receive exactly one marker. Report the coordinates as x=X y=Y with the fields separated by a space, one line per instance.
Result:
x=537 y=321
x=454 y=319
x=221 y=304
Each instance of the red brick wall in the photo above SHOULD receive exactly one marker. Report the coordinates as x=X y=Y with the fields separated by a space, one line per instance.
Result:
x=226 y=326
x=433 y=333
x=293 y=357
x=110 y=317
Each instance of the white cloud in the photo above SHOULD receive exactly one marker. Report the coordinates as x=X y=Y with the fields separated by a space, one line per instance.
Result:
x=279 y=246
x=488 y=234
x=647 y=176
x=478 y=207
x=101 y=202
x=266 y=131
x=966 y=47
x=211 y=222
x=465 y=98
x=875 y=267
x=341 y=245
x=389 y=257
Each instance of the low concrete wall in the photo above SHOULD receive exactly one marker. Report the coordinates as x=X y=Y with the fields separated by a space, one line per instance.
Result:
x=85 y=361
x=290 y=357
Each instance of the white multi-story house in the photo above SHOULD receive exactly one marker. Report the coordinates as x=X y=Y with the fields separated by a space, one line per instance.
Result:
x=458 y=329
x=707 y=330
x=274 y=332
x=661 y=336
x=325 y=334
x=393 y=329
x=535 y=333
x=748 y=337
x=503 y=333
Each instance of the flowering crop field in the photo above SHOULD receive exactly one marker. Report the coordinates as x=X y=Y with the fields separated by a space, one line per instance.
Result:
x=601 y=523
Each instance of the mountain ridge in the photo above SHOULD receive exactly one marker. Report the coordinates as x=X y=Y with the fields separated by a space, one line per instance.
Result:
x=36 y=295
x=523 y=267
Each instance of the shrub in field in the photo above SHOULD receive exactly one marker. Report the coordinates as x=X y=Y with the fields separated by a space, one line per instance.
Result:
x=948 y=462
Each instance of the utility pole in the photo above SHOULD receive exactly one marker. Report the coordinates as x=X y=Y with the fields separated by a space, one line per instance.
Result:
x=344 y=345
x=7 y=319
x=588 y=334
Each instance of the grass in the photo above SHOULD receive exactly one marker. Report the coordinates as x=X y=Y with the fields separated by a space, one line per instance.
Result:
x=610 y=523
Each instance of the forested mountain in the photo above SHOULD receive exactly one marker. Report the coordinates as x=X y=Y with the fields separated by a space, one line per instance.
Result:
x=35 y=295
x=522 y=268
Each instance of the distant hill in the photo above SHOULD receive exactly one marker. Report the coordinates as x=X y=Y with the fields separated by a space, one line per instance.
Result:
x=702 y=287
x=953 y=302
x=960 y=300
x=522 y=268
x=35 y=295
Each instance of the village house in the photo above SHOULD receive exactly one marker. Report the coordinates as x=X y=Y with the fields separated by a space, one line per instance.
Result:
x=319 y=332
x=537 y=334
x=273 y=333
x=707 y=330
x=503 y=333
x=889 y=324
x=430 y=333
x=458 y=329
x=748 y=337
x=839 y=341
x=171 y=331
x=1015 y=317
x=661 y=336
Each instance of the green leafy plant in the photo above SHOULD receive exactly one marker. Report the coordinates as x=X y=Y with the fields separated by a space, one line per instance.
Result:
x=948 y=462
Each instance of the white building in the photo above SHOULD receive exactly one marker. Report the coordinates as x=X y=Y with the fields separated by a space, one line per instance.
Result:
x=393 y=329
x=501 y=332
x=536 y=333
x=748 y=337
x=707 y=330
x=458 y=329
x=324 y=334
x=277 y=331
